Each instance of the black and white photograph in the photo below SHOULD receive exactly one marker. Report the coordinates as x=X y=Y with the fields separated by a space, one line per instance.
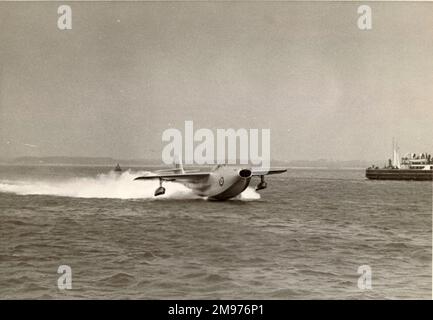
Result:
x=216 y=150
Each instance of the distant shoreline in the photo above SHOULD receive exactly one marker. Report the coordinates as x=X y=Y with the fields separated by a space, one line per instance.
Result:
x=144 y=163
x=126 y=166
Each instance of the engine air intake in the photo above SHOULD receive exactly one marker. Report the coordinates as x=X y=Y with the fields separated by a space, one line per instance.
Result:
x=245 y=173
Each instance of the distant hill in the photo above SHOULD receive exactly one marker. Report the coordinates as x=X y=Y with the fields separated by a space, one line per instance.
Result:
x=107 y=161
x=94 y=161
x=324 y=163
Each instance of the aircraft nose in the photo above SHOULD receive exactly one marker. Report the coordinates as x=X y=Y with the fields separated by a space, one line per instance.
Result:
x=245 y=173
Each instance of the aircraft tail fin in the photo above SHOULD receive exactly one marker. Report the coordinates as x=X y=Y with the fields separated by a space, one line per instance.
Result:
x=178 y=168
x=178 y=164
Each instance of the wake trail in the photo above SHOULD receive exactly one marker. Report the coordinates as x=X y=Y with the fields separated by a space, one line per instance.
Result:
x=108 y=185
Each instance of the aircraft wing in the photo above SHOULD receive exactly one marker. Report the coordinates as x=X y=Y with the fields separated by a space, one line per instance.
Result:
x=264 y=172
x=192 y=176
x=174 y=171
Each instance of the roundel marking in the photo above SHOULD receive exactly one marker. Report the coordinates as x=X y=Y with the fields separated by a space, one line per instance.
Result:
x=221 y=181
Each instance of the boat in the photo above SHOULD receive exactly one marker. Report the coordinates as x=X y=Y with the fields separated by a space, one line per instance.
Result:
x=410 y=167
x=118 y=168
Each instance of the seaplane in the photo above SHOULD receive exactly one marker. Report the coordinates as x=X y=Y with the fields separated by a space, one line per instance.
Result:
x=223 y=182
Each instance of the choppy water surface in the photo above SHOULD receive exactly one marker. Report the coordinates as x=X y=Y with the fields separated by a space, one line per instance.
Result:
x=304 y=237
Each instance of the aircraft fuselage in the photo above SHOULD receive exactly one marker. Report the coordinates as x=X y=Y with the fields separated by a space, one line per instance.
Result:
x=223 y=183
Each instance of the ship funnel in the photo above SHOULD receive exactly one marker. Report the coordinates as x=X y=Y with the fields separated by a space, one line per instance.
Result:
x=395 y=155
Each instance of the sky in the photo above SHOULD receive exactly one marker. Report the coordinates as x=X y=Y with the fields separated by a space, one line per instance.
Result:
x=127 y=71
